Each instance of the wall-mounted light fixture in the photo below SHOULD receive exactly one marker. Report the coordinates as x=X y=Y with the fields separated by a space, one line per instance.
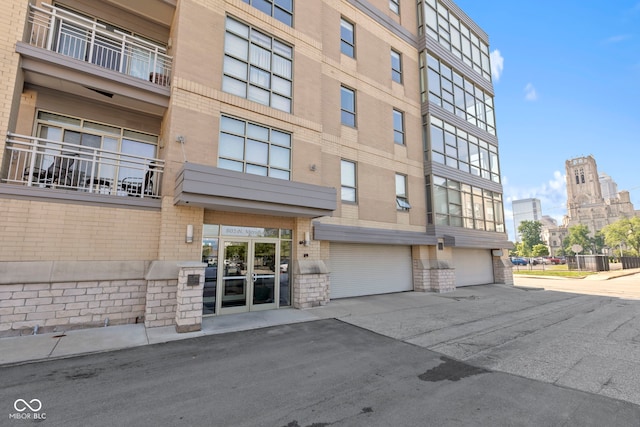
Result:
x=189 y=236
x=306 y=240
x=180 y=139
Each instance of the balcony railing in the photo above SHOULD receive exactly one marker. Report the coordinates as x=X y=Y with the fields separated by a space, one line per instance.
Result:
x=43 y=163
x=69 y=34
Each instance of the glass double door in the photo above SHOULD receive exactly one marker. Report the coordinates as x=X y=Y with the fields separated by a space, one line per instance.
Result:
x=248 y=279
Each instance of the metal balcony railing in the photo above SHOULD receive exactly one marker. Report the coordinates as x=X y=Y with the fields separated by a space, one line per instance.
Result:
x=67 y=33
x=43 y=163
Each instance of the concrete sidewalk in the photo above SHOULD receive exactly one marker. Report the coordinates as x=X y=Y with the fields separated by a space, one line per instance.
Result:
x=586 y=342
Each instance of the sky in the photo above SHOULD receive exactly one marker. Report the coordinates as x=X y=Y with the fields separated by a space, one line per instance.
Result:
x=566 y=77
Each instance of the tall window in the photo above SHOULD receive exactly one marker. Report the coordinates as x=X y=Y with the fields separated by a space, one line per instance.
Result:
x=282 y=10
x=459 y=149
x=394 y=5
x=462 y=205
x=257 y=67
x=348 y=181
x=348 y=106
x=455 y=36
x=347 y=38
x=253 y=148
x=398 y=127
x=396 y=66
x=453 y=92
x=402 y=197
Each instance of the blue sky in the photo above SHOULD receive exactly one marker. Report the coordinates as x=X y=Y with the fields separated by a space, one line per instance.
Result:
x=567 y=84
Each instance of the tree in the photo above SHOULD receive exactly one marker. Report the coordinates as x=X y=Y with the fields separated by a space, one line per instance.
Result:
x=578 y=235
x=522 y=250
x=624 y=231
x=540 y=250
x=597 y=242
x=530 y=234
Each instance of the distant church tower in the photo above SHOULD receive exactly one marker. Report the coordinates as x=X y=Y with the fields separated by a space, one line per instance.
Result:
x=585 y=204
x=583 y=184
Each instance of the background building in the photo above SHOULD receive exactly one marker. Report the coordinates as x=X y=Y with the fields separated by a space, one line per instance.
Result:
x=608 y=187
x=585 y=202
x=169 y=159
x=525 y=210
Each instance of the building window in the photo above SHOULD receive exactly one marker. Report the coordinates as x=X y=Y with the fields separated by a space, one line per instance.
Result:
x=456 y=204
x=257 y=67
x=255 y=149
x=453 y=92
x=348 y=181
x=452 y=146
x=396 y=67
x=282 y=10
x=347 y=38
x=402 y=197
x=398 y=127
x=443 y=26
x=348 y=106
x=394 y=5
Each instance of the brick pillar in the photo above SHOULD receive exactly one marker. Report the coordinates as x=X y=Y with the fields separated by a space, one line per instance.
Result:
x=310 y=284
x=189 y=296
x=432 y=271
x=502 y=267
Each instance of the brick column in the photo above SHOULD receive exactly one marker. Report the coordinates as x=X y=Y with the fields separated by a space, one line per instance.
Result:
x=189 y=296
x=432 y=271
x=502 y=267
x=310 y=284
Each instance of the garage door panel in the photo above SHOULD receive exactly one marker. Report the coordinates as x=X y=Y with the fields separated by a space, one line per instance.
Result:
x=358 y=269
x=473 y=267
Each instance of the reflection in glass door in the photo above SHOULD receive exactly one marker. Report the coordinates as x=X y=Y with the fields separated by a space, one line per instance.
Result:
x=263 y=275
x=234 y=275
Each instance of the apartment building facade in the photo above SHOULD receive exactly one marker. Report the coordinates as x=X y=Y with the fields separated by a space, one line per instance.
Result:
x=166 y=160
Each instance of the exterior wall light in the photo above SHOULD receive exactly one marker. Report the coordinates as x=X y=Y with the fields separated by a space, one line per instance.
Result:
x=189 y=236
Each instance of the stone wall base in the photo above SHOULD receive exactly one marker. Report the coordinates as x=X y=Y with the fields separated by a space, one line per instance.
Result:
x=427 y=278
x=310 y=290
x=502 y=271
x=54 y=307
x=160 y=309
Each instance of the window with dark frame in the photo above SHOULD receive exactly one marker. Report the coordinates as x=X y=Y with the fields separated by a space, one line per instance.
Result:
x=402 y=198
x=396 y=66
x=282 y=10
x=347 y=38
x=348 y=181
x=347 y=106
x=398 y=127
x=394 y=5
x=257 y=66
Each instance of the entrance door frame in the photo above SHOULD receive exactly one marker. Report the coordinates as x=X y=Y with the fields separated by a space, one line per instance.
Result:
x=249 y=276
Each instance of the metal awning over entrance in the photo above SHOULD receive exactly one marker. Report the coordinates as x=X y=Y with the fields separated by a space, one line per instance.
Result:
x=225 y=190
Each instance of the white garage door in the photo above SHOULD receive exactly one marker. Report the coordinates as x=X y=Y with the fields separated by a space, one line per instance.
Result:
x=359 y=269
x=473 y=266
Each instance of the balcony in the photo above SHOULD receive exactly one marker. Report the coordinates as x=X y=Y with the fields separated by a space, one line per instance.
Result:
x=47 y=164
x=66 y=33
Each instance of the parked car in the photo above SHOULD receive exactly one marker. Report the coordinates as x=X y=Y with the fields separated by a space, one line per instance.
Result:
x=519 y=261
x=554 y=260
x=538 y=260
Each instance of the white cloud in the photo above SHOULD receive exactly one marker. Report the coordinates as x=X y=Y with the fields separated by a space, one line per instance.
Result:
x=552 y=195
x=617 y=39
x=497 y=64
x=530 y=93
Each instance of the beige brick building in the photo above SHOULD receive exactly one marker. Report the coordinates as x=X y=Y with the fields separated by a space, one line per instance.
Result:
x=166 y=160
